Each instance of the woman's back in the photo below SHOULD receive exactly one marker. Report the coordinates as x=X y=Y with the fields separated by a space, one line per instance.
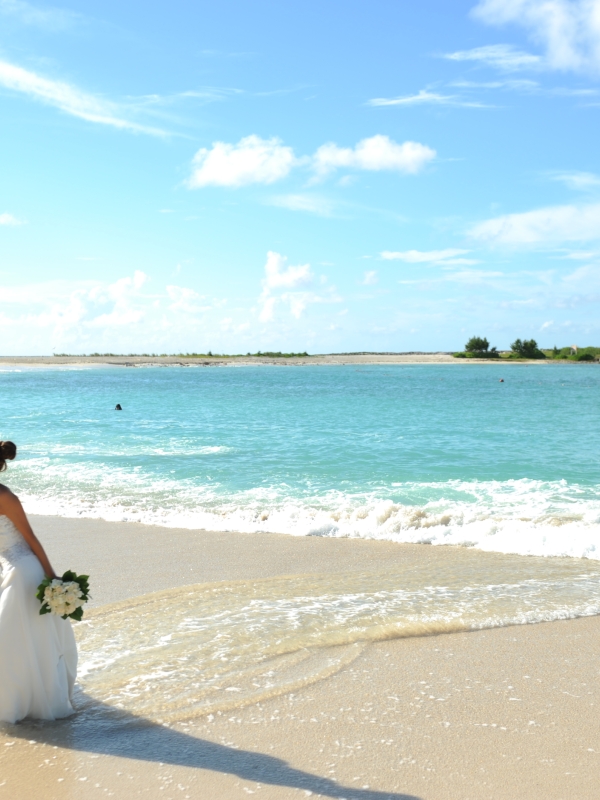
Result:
x=12 y=544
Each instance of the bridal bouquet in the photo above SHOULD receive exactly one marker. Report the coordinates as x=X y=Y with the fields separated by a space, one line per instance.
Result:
x=64 y=596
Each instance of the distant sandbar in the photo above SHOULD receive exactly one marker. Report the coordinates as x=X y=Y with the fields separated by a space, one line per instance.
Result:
x=234 y=361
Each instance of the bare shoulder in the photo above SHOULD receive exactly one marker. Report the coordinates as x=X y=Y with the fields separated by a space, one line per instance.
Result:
x=7 y=498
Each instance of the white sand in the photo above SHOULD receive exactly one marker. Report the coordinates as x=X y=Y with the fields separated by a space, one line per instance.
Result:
x=510 y=713
x=317 y=360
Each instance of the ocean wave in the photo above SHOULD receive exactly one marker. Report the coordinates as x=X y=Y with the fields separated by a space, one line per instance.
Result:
x=518 y=516
x=129 y=450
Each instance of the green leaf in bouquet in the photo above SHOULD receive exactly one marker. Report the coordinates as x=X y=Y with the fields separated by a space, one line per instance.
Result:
x=41 y=589
x=83 y=581
x=40 y=595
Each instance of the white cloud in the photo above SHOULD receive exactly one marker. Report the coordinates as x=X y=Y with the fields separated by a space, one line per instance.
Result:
x=500 y=56
x=425 y=97
x=251 y=160
x=123 y=294
x=288 y=287
x=569 y=30
x=376 y=153
x=185 y=300
x=67 y=98
x=579 y=181
x=256 y=160
x=92 y=315
x=278 y=275
x=448 y=256
x=10 y=219
x=313 y=204
x=551 y=225
x=267 y=311
x=370 y=278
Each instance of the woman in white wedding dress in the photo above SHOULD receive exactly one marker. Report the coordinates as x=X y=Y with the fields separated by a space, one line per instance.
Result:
x=38 y=655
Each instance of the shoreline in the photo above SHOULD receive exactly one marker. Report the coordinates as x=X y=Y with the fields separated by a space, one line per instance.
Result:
x=491 y=714
x=244 y=361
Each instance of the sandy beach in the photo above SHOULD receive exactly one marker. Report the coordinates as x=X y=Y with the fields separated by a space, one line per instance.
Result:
x=502 y=713
x=216 y=361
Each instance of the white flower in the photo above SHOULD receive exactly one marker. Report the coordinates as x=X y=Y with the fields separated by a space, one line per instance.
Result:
x=63 y=598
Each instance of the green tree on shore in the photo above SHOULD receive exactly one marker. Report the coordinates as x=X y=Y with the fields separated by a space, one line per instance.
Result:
x=526 y=348
x=479 y=347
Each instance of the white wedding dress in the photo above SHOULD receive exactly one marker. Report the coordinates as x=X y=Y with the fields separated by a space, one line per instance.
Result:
x=38 y=654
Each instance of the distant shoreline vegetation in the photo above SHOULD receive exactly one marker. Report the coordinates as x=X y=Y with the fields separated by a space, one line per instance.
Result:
x=210 y=354
x=526 y=350
x=477 y=347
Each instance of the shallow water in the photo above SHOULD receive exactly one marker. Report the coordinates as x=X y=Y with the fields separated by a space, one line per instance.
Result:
x=443 y=454
x=208 y=648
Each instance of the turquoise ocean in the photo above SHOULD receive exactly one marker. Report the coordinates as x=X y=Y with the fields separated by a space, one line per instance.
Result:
x=431 y=454
x=439 y=454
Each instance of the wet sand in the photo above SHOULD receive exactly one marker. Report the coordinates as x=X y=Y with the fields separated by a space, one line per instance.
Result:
x=503 y=713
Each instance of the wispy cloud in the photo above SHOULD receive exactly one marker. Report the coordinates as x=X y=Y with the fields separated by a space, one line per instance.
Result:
x=449 y=256
x=311 y=203
x=473 y=276
x=527 y=86
x=542 y=226
x=10 y=219
x=499 y=56
x=202 y=95
x=511 y=84
x=370 y=278
x=568 y=29
x=579 y=181
x=425 y=97
x=582 y=255
x=69 y=99
x=49 y=18
x=185 y=300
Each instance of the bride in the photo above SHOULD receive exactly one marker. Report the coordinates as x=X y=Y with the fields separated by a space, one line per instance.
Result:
x=38 y=655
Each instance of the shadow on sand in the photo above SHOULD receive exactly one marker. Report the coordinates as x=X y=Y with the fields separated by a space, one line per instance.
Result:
x=100 y=729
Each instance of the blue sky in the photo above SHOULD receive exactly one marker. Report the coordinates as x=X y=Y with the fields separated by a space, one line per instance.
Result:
x=315 y=176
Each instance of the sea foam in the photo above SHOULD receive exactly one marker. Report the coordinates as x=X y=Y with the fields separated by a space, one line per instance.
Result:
x=517 y=516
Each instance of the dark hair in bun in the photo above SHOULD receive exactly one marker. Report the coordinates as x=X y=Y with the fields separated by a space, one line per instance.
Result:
x=8 y=450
